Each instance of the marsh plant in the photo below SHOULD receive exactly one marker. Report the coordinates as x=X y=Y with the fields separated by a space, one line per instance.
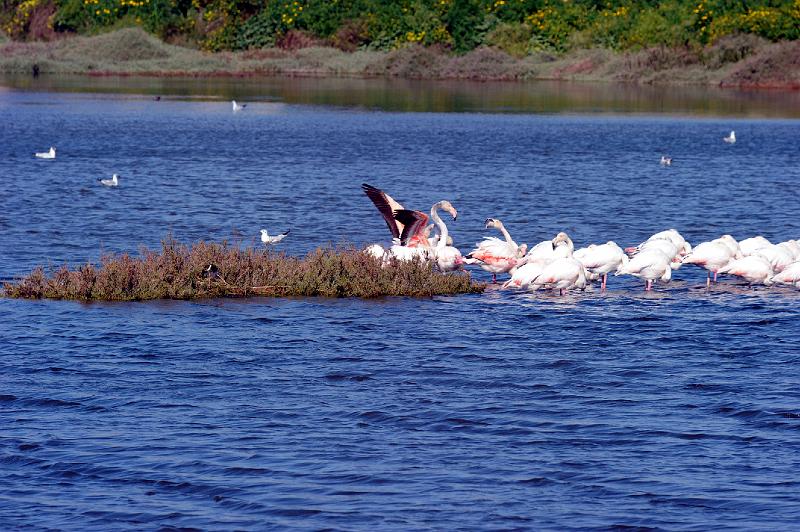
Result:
x=207 y=270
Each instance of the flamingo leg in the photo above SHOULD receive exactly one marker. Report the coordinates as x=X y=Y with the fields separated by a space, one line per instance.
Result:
x=561 y=292
x=494 y=278
x=603 y=284
x=648 y=285
x=715 y=277
x=708 y=280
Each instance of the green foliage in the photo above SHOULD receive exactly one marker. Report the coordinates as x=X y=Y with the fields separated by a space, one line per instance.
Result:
x=512 y=37
x=516 y=26
x=464 y=21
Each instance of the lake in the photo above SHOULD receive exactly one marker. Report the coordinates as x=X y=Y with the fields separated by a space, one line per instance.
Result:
x=672 y=409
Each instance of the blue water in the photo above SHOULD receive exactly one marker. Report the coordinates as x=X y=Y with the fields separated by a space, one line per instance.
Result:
x=676 y=409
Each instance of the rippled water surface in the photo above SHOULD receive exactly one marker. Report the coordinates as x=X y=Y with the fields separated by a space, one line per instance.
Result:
x=676 y=409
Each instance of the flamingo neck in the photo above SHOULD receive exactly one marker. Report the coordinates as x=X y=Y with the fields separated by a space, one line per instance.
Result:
x=442 y=243
x=506 y=234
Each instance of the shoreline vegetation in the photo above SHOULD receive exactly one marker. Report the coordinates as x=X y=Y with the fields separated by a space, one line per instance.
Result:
x=213 y=270
x=735 y=61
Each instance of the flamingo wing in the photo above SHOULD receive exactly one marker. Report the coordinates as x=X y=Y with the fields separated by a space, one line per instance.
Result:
x=386 y=205
x=414 y=223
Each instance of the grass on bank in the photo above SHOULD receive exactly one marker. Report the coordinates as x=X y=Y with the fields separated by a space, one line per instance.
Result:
x=743 y=60
x=179 y=271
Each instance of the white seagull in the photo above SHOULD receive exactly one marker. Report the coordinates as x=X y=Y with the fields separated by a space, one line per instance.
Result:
x=271 y=240
x=666 y=161
x=51 y=154
x=238 y=107
x=113 y=182
x=730 y=139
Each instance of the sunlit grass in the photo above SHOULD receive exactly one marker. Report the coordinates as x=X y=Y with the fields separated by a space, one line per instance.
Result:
x=179 y=271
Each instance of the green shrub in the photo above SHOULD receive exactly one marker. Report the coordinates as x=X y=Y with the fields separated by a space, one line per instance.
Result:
x=511 y=37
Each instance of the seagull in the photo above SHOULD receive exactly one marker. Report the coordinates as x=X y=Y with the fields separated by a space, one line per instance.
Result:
x=730 y=139
x=113 y=182
x=666 y=161
x=46 y=154
x=237 y=107
x=270 y=240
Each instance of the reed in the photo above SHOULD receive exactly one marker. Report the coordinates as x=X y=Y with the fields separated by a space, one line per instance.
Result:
x=179 y=271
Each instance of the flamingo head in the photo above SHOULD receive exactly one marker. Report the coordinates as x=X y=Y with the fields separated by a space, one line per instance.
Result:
x=445 y=205
x=521 y=250
x=493 y=223
x=563 y=239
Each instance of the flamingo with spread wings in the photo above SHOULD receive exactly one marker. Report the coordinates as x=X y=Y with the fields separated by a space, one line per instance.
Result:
x=408 y=227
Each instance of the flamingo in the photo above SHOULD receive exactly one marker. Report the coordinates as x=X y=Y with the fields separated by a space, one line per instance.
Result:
x=413 y=242
x=779 y=257
x=748 y=246
x=387 y=206
x=731 y=244
x=600 y=260
x=730 y=139
x=523 y=275
x=434 y=240
x=789 y=276
x=683 y=247
x=793 y=247
x=50 y=154
x=448 y=258
x=755 y=269
x=650 y=265
x=533 y=263
x=667 y=247
x=377 y=251
x=564 y=272
x=542 y=250
x=710 y=255
x=494 y=255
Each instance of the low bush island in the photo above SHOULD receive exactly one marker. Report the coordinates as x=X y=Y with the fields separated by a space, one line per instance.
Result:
x=206 y=270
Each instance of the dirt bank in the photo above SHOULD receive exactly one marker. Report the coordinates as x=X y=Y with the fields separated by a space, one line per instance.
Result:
x=741 y=61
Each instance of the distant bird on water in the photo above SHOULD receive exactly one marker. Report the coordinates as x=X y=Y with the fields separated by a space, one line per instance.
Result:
x=113 y=182
x=46 y=154
x=666 y=161
x=237 y=107
x=271 y=240
x=730 y=139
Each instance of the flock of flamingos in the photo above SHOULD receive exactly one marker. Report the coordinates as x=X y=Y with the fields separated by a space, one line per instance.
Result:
x=556 y=264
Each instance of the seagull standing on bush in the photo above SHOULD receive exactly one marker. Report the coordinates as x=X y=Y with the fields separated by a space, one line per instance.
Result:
x=272 y=240
x=730 y=139
x=51 y=154
x=237 y=107
x=113 y=182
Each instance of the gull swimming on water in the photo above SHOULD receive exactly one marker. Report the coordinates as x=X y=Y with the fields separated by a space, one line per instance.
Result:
x=113 y=182
x=46 y=154
x=730 y=139
x=237 y=107
x=666 y=161
x=270 y=240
